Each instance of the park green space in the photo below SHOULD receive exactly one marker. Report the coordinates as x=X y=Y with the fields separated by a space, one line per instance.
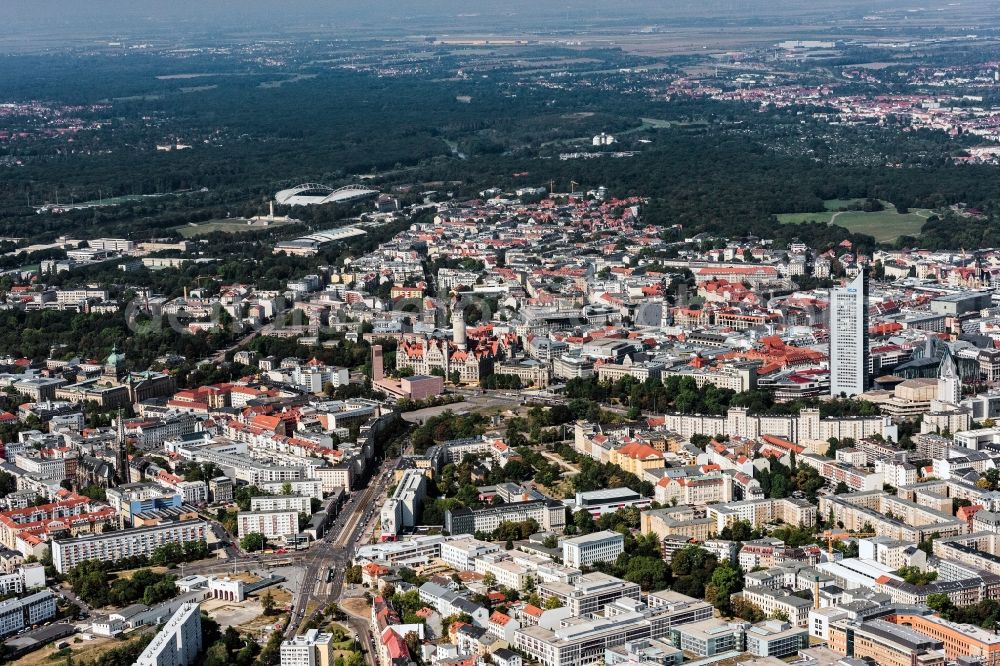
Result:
x=231 y=226
x=884 y=225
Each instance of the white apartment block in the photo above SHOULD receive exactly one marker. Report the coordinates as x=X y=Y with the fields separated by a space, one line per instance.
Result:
x=178 y=643
x=47 y=467
x=113 y=546
x=27 y=577
x=312 y=379
x=507 y=572
x=307 y=487
x=891 y=553
x=16 y=614
x=584 y=550
x=309 y=649
x=890 y=516
x=272 y=524
x=758 y=512
x=896 y=474
x=299 y=503
x=806 y=428
x=774 y=601
x=391 y=519
x=549 y=514
x=32 y=575
x=335 y=477
x=193 y=492
x=64 y=296
x=457 y=449
x=461 y=554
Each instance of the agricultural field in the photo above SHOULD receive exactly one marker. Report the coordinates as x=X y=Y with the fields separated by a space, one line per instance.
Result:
x=884 y=225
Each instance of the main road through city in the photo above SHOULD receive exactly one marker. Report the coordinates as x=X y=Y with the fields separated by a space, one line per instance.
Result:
x=351 y=528
x=335 y=551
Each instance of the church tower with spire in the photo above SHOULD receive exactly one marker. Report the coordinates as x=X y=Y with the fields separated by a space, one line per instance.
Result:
x=121 y=456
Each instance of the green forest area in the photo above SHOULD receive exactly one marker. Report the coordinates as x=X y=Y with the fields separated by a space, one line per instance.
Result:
x=723 y=168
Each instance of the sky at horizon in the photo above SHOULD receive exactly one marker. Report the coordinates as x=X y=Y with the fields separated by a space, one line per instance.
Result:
x=76 y=18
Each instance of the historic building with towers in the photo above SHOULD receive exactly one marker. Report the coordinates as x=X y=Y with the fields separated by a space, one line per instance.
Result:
x=116 y=387
x=472 y=356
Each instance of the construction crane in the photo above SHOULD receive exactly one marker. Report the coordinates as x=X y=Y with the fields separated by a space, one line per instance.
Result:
x=831 y=536
x=572 y=186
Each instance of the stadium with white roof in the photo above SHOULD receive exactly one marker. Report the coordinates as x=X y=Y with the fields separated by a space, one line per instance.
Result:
x=311 y=194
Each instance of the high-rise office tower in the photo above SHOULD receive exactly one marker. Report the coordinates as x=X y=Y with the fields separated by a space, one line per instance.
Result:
x=849 y=337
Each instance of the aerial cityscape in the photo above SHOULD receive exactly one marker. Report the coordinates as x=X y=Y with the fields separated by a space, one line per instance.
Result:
x=500 y=334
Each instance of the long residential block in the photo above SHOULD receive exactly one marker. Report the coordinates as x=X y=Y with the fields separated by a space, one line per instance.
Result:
x=272 y=524
x=113 y=546
x=549 y=514
x=890 y=516
x=299 y=503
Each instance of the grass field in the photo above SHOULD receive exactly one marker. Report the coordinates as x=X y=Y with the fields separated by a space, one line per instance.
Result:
x=84 y=651
x=656 y=123
x=235 y=226
x=883 y=225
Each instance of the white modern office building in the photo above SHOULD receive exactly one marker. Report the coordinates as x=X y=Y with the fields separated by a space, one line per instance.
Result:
x=402 y=509
x=584 y=550
x=578 y=641
x=590 y=593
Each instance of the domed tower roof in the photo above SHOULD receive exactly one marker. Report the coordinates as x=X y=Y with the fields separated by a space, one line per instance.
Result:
x=115 y=359
x=114 y=365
